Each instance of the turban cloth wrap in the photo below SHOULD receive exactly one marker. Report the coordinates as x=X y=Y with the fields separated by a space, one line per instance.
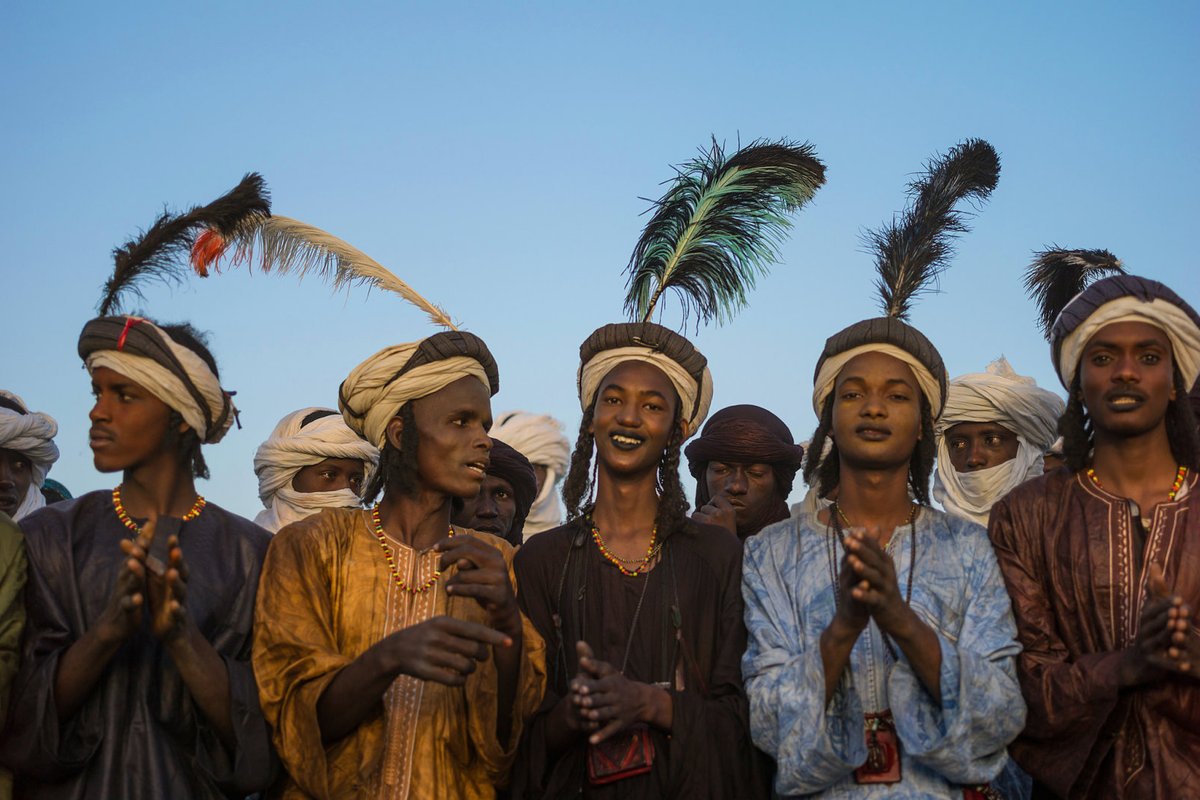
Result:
x=886 y=335
x=375 y=391
x=145 y=354
x=540 y=439
x=32 y=435
x=295 y=444
x=509 y=465
x=1126 y=298
x=998 y=396
x=747 y=434
x=684 y=365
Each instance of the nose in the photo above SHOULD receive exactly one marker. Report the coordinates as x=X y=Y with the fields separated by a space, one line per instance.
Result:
x=486 y=507
x=737 y=482
x=99 y=410
x=873 y=405
x=976 y=458
x=1126 y=369
x=629 y=415
x=7 y=480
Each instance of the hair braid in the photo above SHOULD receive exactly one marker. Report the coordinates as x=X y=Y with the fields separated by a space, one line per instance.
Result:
x=821 y=471
x=672 y=502
x=397 y=466
x=1182 y=430
x=578 y=482
x=187 y=445
x=920 y=466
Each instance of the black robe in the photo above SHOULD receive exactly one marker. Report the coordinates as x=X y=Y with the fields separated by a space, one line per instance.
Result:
x=708 y=753
x=139 y=734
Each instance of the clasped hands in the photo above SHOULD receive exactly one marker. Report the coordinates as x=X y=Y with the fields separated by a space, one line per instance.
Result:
x=1166 y=641
x=868 y=587
x=602 y=702
x=140 y=589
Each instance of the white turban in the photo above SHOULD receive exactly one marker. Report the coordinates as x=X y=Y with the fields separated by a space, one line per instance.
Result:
x=691 y=395
x=31 y=434
x=167 y=386
x=539 y=438
x=375 y=391
x=289 y=449
x=1181 y=330
x=827 y=377
x=1000 y=396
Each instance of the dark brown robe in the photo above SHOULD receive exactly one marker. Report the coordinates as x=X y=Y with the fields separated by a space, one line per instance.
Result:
x=1069 y=554
x=708 y=752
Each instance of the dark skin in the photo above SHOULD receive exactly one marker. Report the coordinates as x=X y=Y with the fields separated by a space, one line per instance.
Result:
x=451 y=462
x=331 y=475
x=738 y=494
x=129 y=434
x=1127 y=380
x=876 y=425
x=633 y=422
x=980 y=445
x=16 y=475
x=492 y=510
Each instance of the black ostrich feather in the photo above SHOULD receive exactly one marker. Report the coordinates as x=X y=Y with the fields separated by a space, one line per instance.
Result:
x=1056 y=276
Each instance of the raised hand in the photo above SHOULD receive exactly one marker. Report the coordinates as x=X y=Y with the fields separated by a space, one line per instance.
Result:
x=168 y=592
x=123 y=614
x=443 y=649
x=605 y=699
x=718 y=511
x=877 y=588
x=1180 y=646
x=483 y=575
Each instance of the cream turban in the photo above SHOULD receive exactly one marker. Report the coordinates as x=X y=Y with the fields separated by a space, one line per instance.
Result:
x=375 y=391
x=539 y=438
x=293 y=446
x=31 y=434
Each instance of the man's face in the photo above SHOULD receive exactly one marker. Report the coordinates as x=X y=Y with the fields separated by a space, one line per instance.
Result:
x=979 y=445
x=129 y=425
x=454 y=448
x=876 y=412
x=749 y=488
x=16 y=475
x=1127 y=378
x=331 y=475
x=633 y=418
x=492 y=510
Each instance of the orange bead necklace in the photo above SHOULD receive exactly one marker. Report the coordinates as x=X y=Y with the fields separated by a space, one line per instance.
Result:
x=391 y=558
x=618 y=562
x=1180 y=477
x=122 y=515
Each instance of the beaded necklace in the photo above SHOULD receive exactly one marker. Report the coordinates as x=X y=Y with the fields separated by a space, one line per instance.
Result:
x=618 y=562
x=1180 y=477
x=391 y=558
x=122 y=515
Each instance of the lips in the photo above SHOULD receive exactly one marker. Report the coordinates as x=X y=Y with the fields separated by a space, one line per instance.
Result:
x=624 y=440
x=478 y=467
x=1124 y=400
x=99 y=438
x=872 y=433
x=9 y=503
x=487 y=527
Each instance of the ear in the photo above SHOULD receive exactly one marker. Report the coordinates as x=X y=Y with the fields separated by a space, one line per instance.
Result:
x=395 y=428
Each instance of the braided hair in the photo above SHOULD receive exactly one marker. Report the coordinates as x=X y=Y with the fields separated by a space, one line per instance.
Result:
x=397 y=465
x=187 y=443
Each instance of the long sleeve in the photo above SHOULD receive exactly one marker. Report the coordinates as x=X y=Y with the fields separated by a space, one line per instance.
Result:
x=814 y=745
x=964 y=737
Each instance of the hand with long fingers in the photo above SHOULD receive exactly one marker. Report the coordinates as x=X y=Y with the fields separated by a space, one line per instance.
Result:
x=167 y=592
x=443 y=649
x=608 y=700
x=1182 y=645
x=718 y=511
x=123 y=613
x=482 y=574
x=877 y=588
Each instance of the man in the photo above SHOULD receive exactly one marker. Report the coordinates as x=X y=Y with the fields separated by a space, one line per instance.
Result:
x=392 y=658
x=991 y=437
x=640 y=604
x=135 y=679
x=27 y=451
x=539 y=438
x=881 y=654
x=1102 y=559
x=744 y=464
x=311 y=461
x=12 y=621
x=505 y=498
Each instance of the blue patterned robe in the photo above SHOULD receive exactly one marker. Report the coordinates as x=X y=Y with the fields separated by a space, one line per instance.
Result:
x=957 y=590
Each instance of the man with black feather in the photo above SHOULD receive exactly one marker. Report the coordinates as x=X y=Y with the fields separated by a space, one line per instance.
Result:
x=135 y=679
x=882 y=645
x=1103 y=559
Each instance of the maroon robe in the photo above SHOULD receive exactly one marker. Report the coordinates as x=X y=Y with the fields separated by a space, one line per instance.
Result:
x=1077 y=577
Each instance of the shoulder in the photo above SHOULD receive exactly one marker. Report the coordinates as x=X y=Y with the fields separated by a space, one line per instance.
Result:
x=329 y=526
x=54 y=524
x=239 y=527
x=548 y=545
x=1037 y=492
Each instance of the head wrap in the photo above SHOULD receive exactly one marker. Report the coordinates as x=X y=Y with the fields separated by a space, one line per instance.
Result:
x=540 y=439
x=890 y=336
x=148 y=356
x=684 y=365
x=295 y=444
x=375 y=391
x=1000 y=396
x=508 y=464
x=1126 y=298
x=32 y=434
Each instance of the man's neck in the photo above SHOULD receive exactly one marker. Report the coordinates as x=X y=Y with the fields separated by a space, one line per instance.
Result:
x=418 y=520
x=874 y=498
x=161 y=487
x=1141 y=468
x=626 y=505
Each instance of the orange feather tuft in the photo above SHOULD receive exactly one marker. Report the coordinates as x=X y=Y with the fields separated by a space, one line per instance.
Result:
x=207 y=251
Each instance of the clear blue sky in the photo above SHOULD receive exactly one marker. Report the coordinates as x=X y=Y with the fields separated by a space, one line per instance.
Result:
x=494 y=155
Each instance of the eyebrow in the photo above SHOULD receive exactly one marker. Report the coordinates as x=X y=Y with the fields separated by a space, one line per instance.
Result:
x=618 y=387
x=889 y=382
x=1142 y=344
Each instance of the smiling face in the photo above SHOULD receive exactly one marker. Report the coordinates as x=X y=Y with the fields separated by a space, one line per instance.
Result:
x=129 y=425
x=16 y=475
x=980 y=445
x=876 y=412
x=634 y=417
x=331 y=475
x=1127 y=378
x=750 y=488
x=453 y=449
x=492 y=510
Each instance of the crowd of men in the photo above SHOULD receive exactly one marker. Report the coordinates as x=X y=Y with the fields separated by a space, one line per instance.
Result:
x=413 y=614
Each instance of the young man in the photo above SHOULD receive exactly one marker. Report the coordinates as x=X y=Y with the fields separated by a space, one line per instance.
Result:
x=135 y=679
x=640 y=605
x=391 y=656
x=1103 y=559
x=991 y=437
x=539 y=438
x=27 y=451
x=881 y=655
x=312 y=461
x=744 y=464
x=504 y=500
